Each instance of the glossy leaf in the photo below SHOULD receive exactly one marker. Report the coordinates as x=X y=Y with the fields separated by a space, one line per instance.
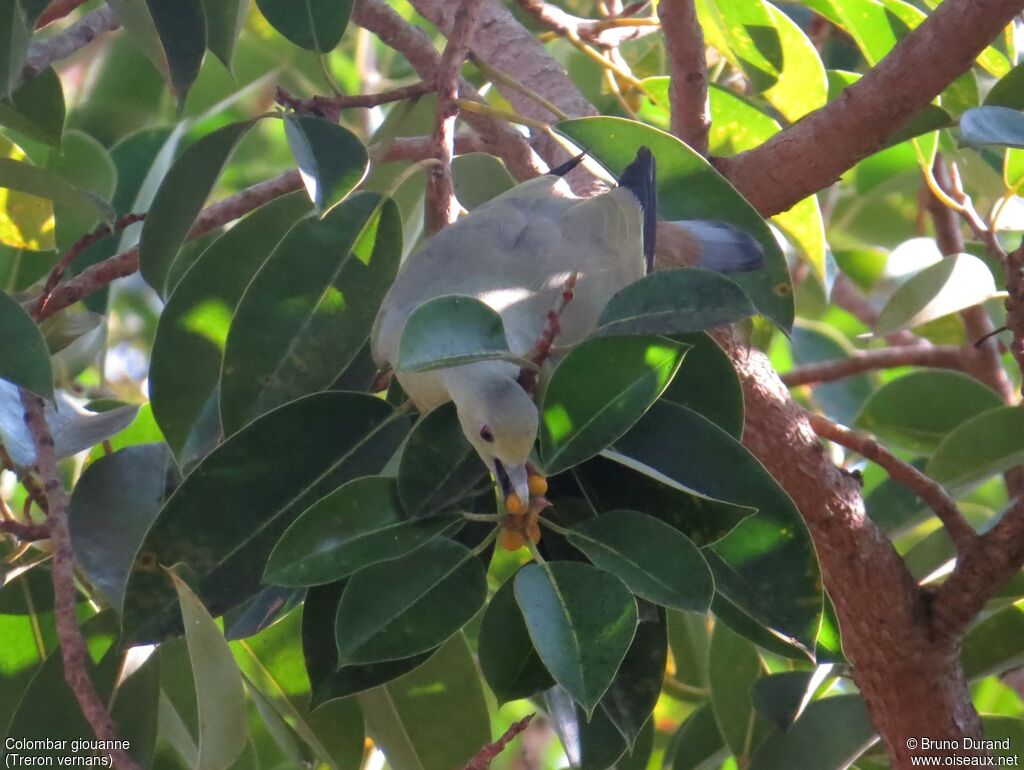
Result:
x=226 y=517
x=590 y=743
x=675 y=301
x=815 y=343
x=981 y=446
x=479 y=177
x=655 y=561
x=330 y=158
x=689 y=188
x=708 y=384
x=1008 y=91
x=26 y=220
x=181 y=195
x=406 y=606
x=434 y=718
x=918 y=410
x=801 y=86
x=308 y=311
x=995 y=644
x=219 y=693
x=86 y=165
x=316 y=25
x=36 y=109
x=698 y=742
x=581 y=620
x=23 y=177
x=598 y=392
x=451 y=331
x=112 y=506
x=24 y=359
x=15 y=31
x=745 y=32
x=954 y=283
x=780 y=698
x=194 y=324
x=359 y=524
x=781 y=588
x=633 y=693
x=439 y=466
x=830 y=734
x=224 y=22
x=733 y=667
x=1000 y=126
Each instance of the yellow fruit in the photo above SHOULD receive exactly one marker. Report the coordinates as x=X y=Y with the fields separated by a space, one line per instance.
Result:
x=538 y=486
x=510 y=540
x=533 y=532
x=514 y=505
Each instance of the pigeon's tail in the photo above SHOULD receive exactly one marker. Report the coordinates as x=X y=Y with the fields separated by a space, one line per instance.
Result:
x=723 y=247
x=640 y=178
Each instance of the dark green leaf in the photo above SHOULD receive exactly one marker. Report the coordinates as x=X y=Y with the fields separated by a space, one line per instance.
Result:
x=1009 y=90
x=743 y=624
x=406 y=606
x=590 y=743
x=24 y=359
x=316 y=25
x=509 y=662
x=654 y=560
x=995 y=644
x=698 y=743
x=439 y=466
x=181 y=195
x=992 y=125
x=918 y=410
x=598 y=392
x=478 y=178
x=36 y=109
x=677 y=301
x=982 y=446
x=359 y=524
x=733 y=667
x=689 y=188
x=581 y=620
x=15 y=30
x=224 y=22
x=630 y=700
x=330 y=158
x=708 y=384
x=194 y=324
x=434 y=718
x=1009 y=732
x=779 y=698
x=451 y=331
x=220 y=697
x=226 y=517
x=136 y=710
x=830 y=734
x=112 y=507
x=297 y=330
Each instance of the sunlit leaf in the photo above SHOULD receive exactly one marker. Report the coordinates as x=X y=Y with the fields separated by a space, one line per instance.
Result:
x=981 y=446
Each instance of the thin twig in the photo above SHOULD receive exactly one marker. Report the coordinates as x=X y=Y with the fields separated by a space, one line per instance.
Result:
x=330 y=107
x=1015 y=303
x=961 y=533
x=24 y=531
x=483 y=758
x=552 y=327
x=931 y=356
x=74 y=652
x=41 y=54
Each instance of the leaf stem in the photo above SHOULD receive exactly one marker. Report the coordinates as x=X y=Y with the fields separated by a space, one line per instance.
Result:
x=486 y=542
x=534 y=552
x=495 y=517
x=554 y=527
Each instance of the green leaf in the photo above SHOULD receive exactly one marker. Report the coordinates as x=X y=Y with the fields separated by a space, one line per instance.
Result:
x=23 y=177
x=830 y=734
x=874 y=26
x=633 y=693
x=399 y=608
x=83 y=163
x=224 y=22
x=194 y=325
x=814 y=343
x=223 y=727
x=955 y=282
x=330 y=158
x=24 y=359
x=316 y=25
x=698 y=743
x=918 y=410
x=112 y=506
x=708 y=384
x=320 y=651
x=676 y=301
x=690 y=188
x=801 y=86
x=434 y=718
x=296 y=331
x=508 y=660
x=172 y=33
x=733 y=667
x=1009 y=90
x=226 y=517
x=994 y=645
x=479 y=177
x=654 y=560
x=979 y=447
x=181 y=196
x=359 y=524
x=590 y=743
x=15 y=31
x=744 y=31
x=779 y=698
x=439 y=466
x=581 y=620
x=992 y=125
x=936 y=552
x=1009 y=732
x=36 y=109
x=781 y=587
x=598 y=392
x=451 y=331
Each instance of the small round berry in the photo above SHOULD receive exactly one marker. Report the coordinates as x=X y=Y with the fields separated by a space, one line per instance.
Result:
x=511 y=540
x=538 y=486
x=514 y=505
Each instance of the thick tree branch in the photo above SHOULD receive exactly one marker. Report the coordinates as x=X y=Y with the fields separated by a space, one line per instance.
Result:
x=688 y=92
x=43 y=53
x=932 y=356
x=74 y=653
x=812 y=153
x=933 y=494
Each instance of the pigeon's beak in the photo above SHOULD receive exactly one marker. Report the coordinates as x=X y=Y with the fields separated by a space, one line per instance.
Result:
x=513 y=479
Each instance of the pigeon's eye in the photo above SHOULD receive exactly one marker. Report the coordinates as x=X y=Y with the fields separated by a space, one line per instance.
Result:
x=486 y=434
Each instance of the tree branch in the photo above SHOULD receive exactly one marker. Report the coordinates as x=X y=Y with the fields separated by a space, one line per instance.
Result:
x=932 y=356
x=811 y=154
x=43 y=53
x=330 y=107
x=483 y=758
x=24 y=531
x=933 y=494
x=688 y=92
x=74 y=652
